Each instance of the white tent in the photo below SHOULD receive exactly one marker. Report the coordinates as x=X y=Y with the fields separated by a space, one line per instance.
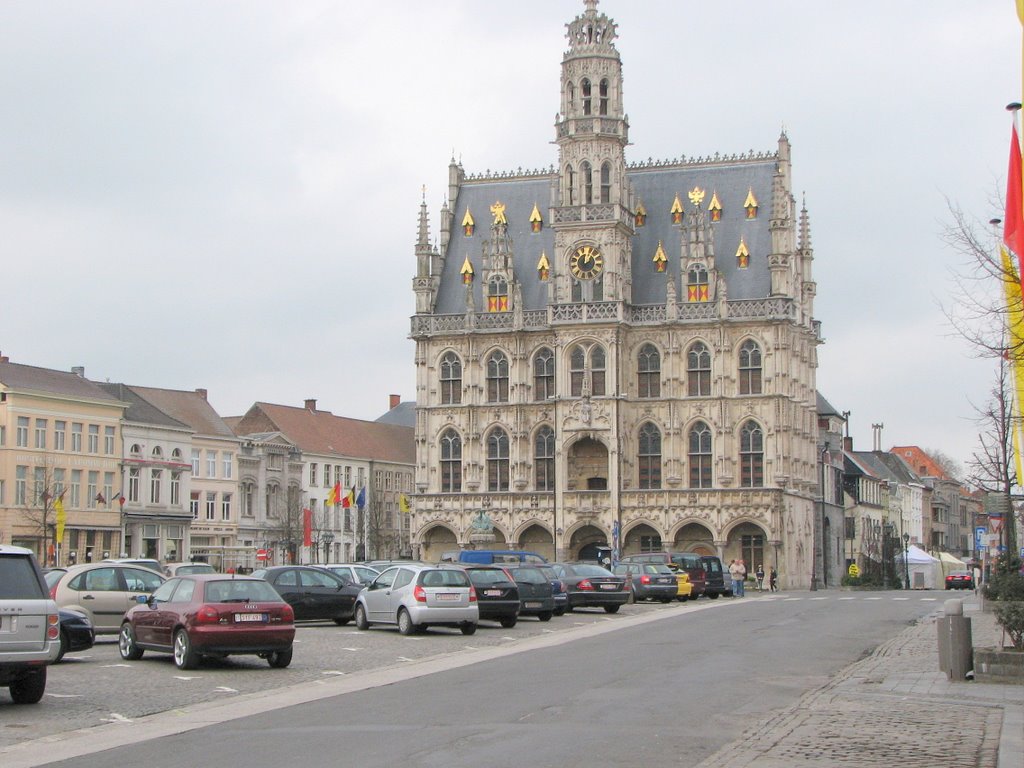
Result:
x=951 y=563
x=924 y=570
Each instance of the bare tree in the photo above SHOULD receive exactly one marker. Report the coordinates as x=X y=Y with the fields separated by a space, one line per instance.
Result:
x=983 y=315
x=947 y=464
x=288 y=529
x=39 y=507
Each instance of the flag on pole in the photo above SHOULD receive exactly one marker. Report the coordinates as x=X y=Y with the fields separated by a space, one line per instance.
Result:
x=350 y=498
x=333 y=496
x=62 y=517
x=403 y=503
x=307 y=527
x=361 y=501
x=1012 y=251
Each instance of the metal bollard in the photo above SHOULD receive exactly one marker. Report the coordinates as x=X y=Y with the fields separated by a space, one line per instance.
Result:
x=956 y=646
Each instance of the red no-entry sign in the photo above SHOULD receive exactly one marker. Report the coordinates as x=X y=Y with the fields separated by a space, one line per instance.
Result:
x=262 y=554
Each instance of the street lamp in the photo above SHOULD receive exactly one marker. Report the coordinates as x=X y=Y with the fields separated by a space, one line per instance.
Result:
x=328 y=540
x=906 y=559
x=814 y=553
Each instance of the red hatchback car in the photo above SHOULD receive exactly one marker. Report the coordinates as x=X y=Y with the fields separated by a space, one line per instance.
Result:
x=210 y=615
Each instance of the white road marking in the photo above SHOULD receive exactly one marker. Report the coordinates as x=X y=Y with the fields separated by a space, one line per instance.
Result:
x=115 y=718
x=111 y=666
x=929 y=599
x=332 y=672
x=183 y=677
x=351 y=649
x=506 y=637
x=791 y=599
x=65 y=695
x=818 y=598
x=872 y=598
x=901 y=598
x=224 y=689
x=403 y=658
x=847 y=598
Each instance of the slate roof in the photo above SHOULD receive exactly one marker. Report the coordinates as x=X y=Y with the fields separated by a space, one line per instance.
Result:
x=29 y=378
x=403 y=414
x=140 y=411
x=825 y=408
x=190 y=408
x=656 y=186
x=882 y=465
x=321 y=432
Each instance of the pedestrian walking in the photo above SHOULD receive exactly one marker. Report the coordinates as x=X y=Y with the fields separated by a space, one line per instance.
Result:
x=773 y=580
x=759 y=575
x=743 y=577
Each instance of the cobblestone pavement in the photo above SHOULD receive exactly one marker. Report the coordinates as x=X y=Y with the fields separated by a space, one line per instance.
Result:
x=894 y=708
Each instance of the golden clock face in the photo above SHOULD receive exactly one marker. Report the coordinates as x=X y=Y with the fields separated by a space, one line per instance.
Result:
x=586 y=262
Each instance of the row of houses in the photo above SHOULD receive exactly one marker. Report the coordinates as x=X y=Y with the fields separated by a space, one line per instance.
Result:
x=93 y=470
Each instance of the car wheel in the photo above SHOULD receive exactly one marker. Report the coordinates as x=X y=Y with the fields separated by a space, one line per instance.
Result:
x=559 y=611
x=341 y=622
x=405 y=625
x=361 y=622
x=508 y=622
x=611 y=609
x=126 y=644
x=29 y=688
x=184 y=656
x=468 y=629
x=64 y=643
x=713 y=595
x=682 y=598
x=666 y=599
x=544 y=615
x=280 y=659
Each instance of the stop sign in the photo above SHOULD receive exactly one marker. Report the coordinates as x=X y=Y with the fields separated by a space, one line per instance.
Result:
x=262 y=554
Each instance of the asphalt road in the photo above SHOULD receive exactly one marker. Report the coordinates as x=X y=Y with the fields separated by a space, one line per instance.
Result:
x=684 y=684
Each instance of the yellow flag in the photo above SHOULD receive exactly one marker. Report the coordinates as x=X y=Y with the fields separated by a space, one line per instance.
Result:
x=1020 y=10
x=1015 y=345
x=403 y=500
x=61 y=517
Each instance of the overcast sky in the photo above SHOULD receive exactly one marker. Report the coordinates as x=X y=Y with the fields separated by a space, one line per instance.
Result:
x=225 y=194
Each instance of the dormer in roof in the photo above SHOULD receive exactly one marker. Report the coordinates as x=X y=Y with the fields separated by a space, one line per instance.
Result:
x=715 y=207
x=536 y=222
x=750 y=204
x=468 y=225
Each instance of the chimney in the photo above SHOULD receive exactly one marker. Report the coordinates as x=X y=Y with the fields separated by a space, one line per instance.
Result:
x=4 y=359
x=848 y=443
x=201 y=392
x=78 y=370
x=311 y=404
x=395 y=400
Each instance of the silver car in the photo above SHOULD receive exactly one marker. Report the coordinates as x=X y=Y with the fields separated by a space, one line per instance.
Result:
x=354 y=572
x=29 y=626
x=419 y=596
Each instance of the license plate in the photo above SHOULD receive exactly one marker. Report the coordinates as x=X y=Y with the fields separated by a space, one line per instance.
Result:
x=447 y=596
x=609 y=586
x=240 y=617
x=533 y=605
x=492 y=593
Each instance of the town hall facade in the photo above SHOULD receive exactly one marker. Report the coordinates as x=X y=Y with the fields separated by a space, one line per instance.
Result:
x=618 y=354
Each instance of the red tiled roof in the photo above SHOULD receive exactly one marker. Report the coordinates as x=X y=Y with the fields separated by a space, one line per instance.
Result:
x=324 y=433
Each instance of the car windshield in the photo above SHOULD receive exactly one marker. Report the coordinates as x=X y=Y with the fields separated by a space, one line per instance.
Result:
x=585 y=569
x=529 y=575
x=444 y=578
x=488 y=576
x=240 y=591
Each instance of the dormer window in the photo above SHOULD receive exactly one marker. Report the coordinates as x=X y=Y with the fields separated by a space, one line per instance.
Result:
x=742 y=255
x=468 y=225
x=750 y=204
x=677 y=211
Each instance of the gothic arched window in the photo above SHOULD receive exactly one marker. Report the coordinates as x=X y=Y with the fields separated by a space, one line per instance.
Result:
x=544 y=459
x=649 y=371
x=606 y=182
x=497 y=294
x=597 y=366
x=497 y=460
x=585 y=92
x=543 y=374
x=497 y=378
x=603 y=97
x=588 y=182
x=451 y=461
x=451 y=379
x=570 y=185
x=698 y=370
x=697 y=284
x=649 y=456
x=699 y=455
x=751 y=455
x=750 y=368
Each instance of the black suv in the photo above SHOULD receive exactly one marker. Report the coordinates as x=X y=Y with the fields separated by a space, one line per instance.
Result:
x=497 y=594
x=715 y=583
x=29 y=625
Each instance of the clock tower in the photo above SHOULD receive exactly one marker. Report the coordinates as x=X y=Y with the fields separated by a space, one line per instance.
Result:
x=591 y=216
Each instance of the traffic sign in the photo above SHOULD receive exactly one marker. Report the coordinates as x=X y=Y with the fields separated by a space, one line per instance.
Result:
x=854 y=570
x=262 y=554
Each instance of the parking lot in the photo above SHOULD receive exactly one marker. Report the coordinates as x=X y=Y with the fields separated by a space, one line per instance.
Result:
x=96 y=686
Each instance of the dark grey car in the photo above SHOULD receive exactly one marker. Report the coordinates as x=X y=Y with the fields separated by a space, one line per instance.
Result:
x=649 y=581
x=536 y=597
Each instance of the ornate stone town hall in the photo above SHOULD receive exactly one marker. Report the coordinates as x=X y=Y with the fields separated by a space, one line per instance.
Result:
x=618 y=354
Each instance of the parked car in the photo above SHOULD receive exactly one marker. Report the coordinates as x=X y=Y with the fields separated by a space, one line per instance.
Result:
x=104 y=591
x=558 y=592
x=186 y=569
x=649 y=581
x=216 y=615
x=497 y=593
x=363 y=574
x=313 y=593
x=960 y=580
x=29 y=625
x=686 y=561
x=145 y=562
x=592 y=586
x=684 y=589
x=76 y=632
x=491 y=556
x=536 y=596
x=715 y=581
x=419 y=596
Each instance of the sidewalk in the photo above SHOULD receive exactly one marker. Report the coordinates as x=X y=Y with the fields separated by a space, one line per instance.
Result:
x=895 y=708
